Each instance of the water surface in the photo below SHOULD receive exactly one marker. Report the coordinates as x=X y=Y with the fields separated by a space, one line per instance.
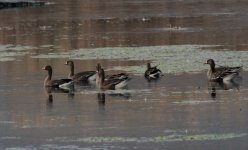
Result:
x=180 y=111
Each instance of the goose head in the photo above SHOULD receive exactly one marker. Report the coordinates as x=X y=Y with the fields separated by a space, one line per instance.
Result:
x=210 y=62
x=47 y=68
x=69 y=63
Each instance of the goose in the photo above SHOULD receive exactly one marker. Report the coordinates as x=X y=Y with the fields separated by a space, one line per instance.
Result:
x=60 y=83
x=122 y=76
x=221 y=73
x=152 y=72
x=81 y=76
x=109 y=84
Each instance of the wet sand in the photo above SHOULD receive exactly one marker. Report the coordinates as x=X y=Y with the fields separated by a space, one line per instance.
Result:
x=182 y=110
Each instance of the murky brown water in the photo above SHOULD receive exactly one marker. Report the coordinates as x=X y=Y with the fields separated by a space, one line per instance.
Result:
x=180 y=111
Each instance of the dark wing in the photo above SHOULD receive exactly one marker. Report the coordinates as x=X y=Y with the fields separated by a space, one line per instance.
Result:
x=153 y=72
x=113 y=81
x=123 y=76
x=235 y=69
x=225 y=74
x=222 y=71
x=229 y=69
x=110 y=84
x=84 y=75
x=56 y=90
x=149 y=71
x=56 y=83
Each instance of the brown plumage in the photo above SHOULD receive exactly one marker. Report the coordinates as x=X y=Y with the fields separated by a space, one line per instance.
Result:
x=82 y=76
x=221 y=73
x=109 y=84
x=120 y=76
x=54 y=83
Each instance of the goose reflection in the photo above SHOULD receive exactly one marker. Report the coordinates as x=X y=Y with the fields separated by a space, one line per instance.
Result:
x=50 y=90
x=213 y=87
x=101 y=98
x=71 y=96
x=48 y=93
x=50 y=100
x=125 y=95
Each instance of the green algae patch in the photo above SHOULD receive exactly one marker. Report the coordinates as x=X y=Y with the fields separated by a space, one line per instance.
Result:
x=158 y=139
x=117 y=91
x=193 y=102
x=169 y=58
x=52 y=55
x=11 y=52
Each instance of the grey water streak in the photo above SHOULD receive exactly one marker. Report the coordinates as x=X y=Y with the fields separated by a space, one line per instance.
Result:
x=179 y=111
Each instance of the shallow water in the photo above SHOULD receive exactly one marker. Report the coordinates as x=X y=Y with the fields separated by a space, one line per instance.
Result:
x=179 y=111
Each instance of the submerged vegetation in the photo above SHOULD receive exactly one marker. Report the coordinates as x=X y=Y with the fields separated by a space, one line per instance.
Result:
x=11 y=52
